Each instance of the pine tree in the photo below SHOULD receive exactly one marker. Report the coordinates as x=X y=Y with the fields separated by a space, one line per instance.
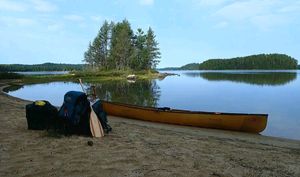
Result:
x=139 y=61
x=89 y=55
x=152 y=49
x=116 y=47
x=101 y=45
x=121 y=45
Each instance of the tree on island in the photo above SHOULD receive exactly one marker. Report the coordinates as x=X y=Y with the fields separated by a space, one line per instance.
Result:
x=117 y=47
x=139 y=56
x=98 y=51
x=261 y=61
x=121 y=51
x=152 y=49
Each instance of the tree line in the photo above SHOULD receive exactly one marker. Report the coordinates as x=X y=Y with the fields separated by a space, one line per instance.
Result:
x=117 y=47
x=261 y=61
x=41 y=67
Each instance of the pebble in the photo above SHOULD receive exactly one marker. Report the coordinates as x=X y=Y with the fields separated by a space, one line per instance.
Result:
x=90 y=143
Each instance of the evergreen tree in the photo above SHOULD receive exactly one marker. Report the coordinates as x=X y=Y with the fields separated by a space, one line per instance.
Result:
x=116 y=47
x=121 y=46
x=139 y=60
x=152 y=49
x=89 y=55
x=98 y=51
x=101 y=45
x=261 y=61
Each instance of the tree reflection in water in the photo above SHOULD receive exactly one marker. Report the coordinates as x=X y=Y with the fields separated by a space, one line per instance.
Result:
x=141 y=92
x=253 y=78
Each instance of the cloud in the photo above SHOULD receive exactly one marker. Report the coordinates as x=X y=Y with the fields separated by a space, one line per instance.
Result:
x=210 y=2
x=242 y=10
x=24 y=21
x=291 y=8
x=266 y=22
x=9 y=5
x=73 y=17
x=17 y=6
x=55 y=27
x=43 y=6
x=13 y=21
x=222 y=24
x=263 y=14
x=147 y=2
x=96 y=18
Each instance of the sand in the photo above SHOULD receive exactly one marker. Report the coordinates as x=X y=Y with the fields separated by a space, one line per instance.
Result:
x=137 y=148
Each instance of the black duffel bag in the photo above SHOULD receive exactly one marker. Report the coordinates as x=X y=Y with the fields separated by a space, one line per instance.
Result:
x=41 y=115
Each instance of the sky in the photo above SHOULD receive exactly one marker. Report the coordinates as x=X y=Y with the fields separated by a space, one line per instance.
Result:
x=38 y=31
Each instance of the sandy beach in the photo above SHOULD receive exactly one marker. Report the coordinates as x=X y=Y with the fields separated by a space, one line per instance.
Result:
x=137 y=148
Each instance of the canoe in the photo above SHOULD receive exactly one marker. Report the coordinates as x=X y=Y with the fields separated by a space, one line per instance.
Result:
x=253 y=123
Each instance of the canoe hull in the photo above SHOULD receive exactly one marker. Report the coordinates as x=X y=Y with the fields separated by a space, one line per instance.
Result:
x=253 y=123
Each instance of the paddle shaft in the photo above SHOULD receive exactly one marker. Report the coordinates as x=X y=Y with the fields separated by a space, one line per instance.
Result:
x=94 y=121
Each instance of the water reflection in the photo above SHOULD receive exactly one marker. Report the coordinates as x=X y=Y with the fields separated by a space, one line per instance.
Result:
x=142 y=92
x=253 y=78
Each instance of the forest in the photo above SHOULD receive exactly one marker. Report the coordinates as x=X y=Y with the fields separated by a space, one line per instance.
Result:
x=117 y=47
x=41 y=67
x=261 y=61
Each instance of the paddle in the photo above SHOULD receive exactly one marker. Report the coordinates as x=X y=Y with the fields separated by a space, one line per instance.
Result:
x=95 y=124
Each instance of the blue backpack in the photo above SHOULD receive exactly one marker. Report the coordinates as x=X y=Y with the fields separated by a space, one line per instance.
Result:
x=75 y=113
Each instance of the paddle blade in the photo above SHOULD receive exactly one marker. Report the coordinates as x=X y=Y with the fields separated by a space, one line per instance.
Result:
x=95 y=126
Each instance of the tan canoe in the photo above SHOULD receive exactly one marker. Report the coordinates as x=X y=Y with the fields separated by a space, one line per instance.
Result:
x=253 y=123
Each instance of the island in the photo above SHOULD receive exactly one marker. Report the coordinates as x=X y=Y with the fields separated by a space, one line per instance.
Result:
x=252 y=62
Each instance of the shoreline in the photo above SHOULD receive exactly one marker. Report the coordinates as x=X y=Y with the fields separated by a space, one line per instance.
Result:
x=137 y=148
x=281 y=139
x=95 y=76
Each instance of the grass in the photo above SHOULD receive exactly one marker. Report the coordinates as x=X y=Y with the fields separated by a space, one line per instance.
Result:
x=87 y=76
x=112 y=73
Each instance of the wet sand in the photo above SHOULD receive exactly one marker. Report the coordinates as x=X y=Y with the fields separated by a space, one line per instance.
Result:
x=137 y=148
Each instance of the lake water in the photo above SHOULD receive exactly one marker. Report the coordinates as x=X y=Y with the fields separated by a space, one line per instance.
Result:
x=276 y=93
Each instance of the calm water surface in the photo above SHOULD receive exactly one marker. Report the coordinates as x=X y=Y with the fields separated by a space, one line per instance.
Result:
x=276 y=93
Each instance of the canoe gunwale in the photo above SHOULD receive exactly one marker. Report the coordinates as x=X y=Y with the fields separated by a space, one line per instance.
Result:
x=148 y=108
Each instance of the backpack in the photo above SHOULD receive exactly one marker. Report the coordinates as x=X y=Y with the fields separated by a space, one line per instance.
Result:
x=41 y=115
x=102 y=116
x=74 y=114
